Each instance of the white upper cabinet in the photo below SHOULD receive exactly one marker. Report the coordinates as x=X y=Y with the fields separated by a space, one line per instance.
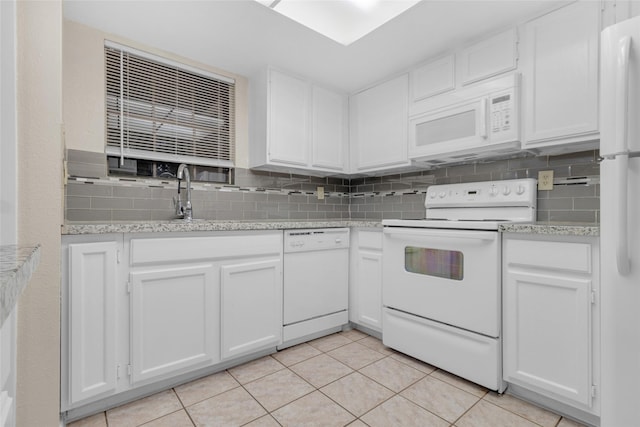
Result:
x=298 y=126
x=378 y=126
x=560 y=77
x=329 y=129
x=495 y=55
x=288 y=114
x=488 y=58
x=433 y=78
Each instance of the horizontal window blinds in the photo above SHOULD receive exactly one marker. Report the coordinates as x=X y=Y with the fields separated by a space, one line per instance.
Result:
x=158 y=110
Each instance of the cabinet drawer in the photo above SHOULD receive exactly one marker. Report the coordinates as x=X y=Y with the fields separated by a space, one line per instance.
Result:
x=569 y=256
x=191 y=249
x=370 y=240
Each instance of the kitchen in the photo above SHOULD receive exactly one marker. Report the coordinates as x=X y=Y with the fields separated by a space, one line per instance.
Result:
x=83 y=132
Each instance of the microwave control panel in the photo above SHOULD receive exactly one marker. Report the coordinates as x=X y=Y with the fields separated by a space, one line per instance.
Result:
x=502 y=113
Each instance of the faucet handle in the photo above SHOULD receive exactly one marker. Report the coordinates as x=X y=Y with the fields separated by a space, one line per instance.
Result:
x=177 y=203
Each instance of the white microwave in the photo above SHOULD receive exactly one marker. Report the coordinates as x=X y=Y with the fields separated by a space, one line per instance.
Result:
x=467 y=124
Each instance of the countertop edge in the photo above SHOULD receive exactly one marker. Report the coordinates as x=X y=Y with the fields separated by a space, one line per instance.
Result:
x=589 y=230
x=180 y=226
x=560 y=229
x=18 y=264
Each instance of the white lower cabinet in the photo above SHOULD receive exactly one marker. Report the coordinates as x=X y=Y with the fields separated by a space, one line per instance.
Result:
x=145 y=309
x=366 y=279
x=251 y=306
x=551 y=317
x=91 y=333
x=174 y=324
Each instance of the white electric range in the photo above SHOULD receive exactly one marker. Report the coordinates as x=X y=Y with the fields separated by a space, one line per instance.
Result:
x=442 y=277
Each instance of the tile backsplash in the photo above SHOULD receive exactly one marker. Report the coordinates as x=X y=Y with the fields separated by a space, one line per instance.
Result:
x=91 y=196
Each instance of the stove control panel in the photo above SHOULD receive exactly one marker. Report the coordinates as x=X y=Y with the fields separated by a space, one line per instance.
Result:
x=513 y=192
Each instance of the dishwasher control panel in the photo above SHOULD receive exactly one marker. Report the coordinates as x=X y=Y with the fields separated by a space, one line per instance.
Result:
x=317 y=239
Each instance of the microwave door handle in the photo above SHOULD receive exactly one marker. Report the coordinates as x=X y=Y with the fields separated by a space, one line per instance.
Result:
x=483 y=118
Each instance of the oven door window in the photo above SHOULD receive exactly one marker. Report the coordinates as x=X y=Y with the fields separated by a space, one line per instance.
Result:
x=434 y=262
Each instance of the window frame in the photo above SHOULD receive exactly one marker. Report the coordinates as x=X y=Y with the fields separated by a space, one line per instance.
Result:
x=123 y=149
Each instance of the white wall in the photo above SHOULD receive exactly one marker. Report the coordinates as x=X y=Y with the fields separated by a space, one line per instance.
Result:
x=40 y=202
x=8 y=193
x=84 y=87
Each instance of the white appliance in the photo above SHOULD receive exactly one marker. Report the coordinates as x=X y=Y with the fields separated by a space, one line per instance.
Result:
x=470 y=123
x=620 y=223
x=316 y=283
x=441 y=279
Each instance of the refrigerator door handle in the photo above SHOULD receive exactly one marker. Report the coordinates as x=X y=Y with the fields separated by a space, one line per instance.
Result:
x=622 y=154
x=622 y=94
x=622 y=250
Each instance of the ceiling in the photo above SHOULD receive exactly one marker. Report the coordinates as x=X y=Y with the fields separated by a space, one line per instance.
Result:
x=243 y=37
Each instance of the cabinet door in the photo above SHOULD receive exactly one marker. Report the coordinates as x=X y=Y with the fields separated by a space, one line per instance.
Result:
x=329 y=129
x=561 y=75
x=288 y=119
x=251 y=306
x=433 y=78
x=174 y=320
x=547 y=334
x=379 y=126
x=370 y=288
x=92 y=319
x=489 y=57
x=8 y=343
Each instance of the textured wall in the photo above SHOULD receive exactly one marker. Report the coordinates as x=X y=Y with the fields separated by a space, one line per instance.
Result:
x=40 y=202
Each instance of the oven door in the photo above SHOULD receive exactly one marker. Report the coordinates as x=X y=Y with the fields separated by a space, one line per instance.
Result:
x=448 y=276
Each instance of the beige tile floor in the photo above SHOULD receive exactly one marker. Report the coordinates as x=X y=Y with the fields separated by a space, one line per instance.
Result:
x=344 y=379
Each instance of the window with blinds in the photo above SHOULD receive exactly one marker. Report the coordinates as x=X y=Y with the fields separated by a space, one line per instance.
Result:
x=158 y=109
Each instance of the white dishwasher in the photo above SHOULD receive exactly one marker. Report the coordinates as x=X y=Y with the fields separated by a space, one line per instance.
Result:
x=316 y=283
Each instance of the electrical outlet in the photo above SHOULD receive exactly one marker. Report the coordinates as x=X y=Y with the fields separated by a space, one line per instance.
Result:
x=545 y=180
x=320 y=192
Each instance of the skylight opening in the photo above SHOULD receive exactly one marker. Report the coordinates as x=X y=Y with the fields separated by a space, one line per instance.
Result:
x=343 y=21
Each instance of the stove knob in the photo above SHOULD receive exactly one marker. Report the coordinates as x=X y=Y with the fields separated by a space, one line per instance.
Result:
x=520 y=189
x=432 y=194
x=442 y=194
x=506 y=190
x=493 y=190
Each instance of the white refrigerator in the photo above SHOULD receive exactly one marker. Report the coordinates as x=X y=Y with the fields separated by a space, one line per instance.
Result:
x=620 y=223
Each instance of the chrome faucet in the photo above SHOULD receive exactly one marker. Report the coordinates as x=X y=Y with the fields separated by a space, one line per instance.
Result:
x=185 y=211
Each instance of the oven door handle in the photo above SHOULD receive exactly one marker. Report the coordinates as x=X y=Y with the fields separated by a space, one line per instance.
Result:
x=459 y=234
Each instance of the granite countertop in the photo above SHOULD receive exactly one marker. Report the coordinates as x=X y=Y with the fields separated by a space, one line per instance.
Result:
x=558 y=228
x=17 y=264
x=204 y=225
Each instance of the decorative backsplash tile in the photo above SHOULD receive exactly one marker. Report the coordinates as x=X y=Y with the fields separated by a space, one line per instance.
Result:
x=91 y=196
